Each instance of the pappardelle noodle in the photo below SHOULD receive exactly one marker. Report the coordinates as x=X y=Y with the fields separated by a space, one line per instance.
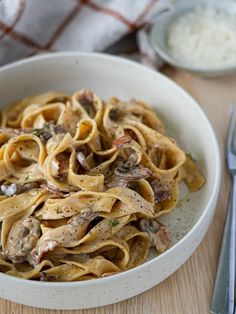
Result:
x=83 y=184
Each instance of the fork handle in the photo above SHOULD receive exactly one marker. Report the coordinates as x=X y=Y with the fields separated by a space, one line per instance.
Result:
x=232 y=252
x=223 y=300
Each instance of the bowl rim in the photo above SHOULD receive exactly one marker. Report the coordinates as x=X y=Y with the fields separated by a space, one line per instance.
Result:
x=215 y=189
x=166 y=56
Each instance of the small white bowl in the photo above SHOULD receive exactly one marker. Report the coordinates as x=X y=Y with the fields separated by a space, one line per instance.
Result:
x=159 y=30
x=185 y=120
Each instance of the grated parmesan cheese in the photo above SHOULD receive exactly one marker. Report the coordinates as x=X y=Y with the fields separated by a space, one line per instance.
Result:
x=204 y=38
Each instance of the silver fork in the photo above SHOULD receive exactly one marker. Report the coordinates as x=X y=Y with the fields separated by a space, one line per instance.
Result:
x=223 y=300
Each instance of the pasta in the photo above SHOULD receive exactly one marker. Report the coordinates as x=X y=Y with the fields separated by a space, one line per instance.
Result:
x=83 y=182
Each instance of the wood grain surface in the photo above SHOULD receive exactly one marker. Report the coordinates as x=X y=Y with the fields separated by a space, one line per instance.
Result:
x=189 y=290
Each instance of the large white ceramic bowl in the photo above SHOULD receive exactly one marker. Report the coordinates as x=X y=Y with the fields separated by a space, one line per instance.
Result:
x=185 y=120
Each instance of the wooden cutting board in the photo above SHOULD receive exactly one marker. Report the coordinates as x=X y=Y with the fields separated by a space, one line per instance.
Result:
x=189 y=290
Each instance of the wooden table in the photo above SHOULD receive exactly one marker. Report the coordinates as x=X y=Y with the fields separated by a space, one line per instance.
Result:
x=189 y=290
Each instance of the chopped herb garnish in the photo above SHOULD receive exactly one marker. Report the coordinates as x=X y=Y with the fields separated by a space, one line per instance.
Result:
x=26 y=178
x=59 y=210
x=36 y=132
x=114 y=222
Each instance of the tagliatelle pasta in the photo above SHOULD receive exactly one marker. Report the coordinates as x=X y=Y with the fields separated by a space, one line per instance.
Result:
x=82 y=184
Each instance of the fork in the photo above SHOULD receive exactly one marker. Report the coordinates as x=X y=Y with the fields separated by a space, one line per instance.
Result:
x=223 y=300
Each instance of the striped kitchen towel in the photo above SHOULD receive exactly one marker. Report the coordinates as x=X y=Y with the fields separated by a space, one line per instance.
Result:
x=29 y=27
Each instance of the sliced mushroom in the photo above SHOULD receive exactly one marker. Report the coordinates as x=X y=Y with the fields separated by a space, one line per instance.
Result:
x=157 y=232
x=132 y=160
x=45 y=133
x=58 y=129
x=63 y=167
x=22 y=238
x=86 y=216
x=82 y=160
x=48 y=131
x=54 y=190
x=47 y=277
x=37 y=253
x=83 y=149
x=75 y=230
x=162 y=195
x=86 y=101
x=113 y=181
x=133 y=157
x=60 y=164
x=21 y=188
x=162 y=190
x=114 y=114
x=149 y=225
x=161 y=239
x=135 y=173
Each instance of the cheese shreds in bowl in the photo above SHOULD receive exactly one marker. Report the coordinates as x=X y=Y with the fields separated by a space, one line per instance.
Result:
x=204 y=37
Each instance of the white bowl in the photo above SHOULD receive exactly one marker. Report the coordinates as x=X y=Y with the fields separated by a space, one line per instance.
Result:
x=108 y=76
x=159 y=30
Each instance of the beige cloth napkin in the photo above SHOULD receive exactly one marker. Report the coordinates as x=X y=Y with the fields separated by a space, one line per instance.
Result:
x=29 y=27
